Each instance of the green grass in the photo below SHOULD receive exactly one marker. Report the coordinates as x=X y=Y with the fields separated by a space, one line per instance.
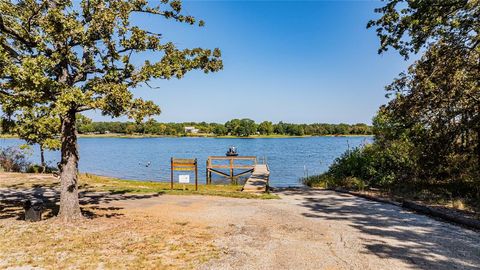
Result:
x=108 y=184
x=320 y=181
x=93 y=182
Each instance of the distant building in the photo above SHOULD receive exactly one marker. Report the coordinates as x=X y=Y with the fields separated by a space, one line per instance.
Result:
x=191 y=130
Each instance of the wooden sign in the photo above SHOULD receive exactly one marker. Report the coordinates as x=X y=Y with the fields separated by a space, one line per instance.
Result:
x=183 y=164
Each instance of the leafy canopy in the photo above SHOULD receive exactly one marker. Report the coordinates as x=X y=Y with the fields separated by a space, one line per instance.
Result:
x=74 y=56
x=410 y=25
x=38 y=126
x=436 y=104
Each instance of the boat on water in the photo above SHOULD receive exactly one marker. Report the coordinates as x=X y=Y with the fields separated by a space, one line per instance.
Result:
x=232 y=152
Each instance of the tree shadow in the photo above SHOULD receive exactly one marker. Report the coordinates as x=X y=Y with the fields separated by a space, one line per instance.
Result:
x=92 y=203
x=391 y=232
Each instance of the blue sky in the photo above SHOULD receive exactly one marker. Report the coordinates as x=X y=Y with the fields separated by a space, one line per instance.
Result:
x=291 y=61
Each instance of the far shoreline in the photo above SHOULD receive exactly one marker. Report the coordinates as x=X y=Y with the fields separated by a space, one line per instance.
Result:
x=143 y=136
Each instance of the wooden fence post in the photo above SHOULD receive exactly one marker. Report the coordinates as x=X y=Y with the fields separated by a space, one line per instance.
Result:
x=206 y=172
x=171 y=173
x=196 y=175
x=231 y=169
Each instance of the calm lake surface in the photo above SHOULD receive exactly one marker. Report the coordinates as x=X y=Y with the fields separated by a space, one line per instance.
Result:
x=288 y=158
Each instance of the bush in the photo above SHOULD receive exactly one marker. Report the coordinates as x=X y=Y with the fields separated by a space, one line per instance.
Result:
x=35 y=168
x=327 y=181
x=368 y=166
x=13 y=159
x=321 y=180
x=353 y=163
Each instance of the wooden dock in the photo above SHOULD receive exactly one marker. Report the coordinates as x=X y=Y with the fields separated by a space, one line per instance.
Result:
x=258 y=181
x=215 y=164
x=260 y=173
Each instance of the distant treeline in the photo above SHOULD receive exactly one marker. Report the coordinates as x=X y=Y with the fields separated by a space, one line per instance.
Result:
x=235 y=127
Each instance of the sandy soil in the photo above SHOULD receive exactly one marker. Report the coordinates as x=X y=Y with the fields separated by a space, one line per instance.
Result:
x=305 y=229
x=315 y=229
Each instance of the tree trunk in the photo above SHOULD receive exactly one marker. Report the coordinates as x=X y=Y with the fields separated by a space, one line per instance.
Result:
x=478 y=148
x=69 y=204
x=42 y=159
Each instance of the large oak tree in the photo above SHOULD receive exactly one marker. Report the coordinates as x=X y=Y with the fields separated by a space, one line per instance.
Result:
x=75 y=56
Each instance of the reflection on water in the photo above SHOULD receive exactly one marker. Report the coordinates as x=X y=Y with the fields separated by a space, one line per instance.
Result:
x=149 y=158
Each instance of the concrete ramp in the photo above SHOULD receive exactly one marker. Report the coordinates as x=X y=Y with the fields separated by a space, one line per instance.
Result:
x=258 y=181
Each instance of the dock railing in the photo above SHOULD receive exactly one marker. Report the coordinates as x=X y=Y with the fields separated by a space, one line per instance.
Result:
x=215 y=168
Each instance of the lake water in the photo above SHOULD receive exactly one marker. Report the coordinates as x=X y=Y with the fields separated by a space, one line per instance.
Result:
x=288 y=158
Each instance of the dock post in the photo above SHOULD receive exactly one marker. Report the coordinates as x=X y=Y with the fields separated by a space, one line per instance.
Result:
x=171 y=173
x=231 y=169
x=206 y=172
x=196 y=175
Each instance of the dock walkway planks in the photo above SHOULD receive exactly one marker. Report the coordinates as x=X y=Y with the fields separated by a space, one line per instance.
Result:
x=258 y=181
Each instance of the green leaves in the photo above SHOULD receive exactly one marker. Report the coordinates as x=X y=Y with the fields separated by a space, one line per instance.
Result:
x=140 y=109
x=436 y=106
x=408 y=26
x=176 y=63
x=241 y=127
x=59 y=58
x=39 y=125
x=265 y=128
x=79 y=56
x=114 y=98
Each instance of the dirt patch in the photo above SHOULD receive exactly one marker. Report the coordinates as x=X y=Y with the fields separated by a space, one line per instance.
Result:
x=310 y=229
x=305 y=229
x=129 y=240
x=27 y=180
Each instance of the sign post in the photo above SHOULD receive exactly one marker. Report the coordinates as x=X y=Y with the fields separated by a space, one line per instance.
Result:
x=182 y=164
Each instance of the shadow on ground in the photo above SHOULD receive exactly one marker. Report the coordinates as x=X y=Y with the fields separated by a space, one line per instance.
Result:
x=92 y=204
x=391 y=232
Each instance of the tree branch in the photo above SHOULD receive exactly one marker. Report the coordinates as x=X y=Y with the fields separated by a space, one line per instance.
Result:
x=10 y=50
x=152 y=87
x=83 y=108
x=17 y=36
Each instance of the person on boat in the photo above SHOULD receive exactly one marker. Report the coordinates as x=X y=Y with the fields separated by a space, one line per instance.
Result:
x=232 y=151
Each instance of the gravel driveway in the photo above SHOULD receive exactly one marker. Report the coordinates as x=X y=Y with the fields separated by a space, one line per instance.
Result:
x=316 y=229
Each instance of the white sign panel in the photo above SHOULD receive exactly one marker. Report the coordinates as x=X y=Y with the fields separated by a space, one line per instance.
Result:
x=184 y=179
